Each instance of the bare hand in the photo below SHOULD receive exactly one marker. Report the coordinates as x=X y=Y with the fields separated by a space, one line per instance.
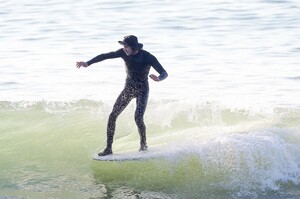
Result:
x=154 y=77
x=81 y=64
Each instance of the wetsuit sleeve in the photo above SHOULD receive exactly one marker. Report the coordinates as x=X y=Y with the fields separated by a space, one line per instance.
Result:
x=158 y=67
x=105 y=56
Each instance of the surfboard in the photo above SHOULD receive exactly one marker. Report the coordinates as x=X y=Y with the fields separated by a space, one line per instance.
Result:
x=152 y=153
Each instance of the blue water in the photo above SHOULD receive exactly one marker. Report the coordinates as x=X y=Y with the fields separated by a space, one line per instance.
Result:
x=227 y=118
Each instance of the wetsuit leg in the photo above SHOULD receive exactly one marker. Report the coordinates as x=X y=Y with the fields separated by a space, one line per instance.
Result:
x=141 y=104
x=122 y=101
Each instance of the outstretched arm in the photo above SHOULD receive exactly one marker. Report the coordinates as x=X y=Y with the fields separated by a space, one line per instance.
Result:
x=100 y=57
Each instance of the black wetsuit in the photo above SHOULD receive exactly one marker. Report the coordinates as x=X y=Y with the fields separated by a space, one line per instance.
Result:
x=136 y=86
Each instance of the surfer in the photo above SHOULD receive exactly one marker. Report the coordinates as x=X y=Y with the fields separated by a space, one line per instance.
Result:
x=138 y=63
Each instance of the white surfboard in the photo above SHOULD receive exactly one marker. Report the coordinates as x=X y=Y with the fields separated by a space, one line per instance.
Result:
x=152 y=153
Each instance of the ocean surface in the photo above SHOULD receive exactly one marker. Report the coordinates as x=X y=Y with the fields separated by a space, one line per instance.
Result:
x=227 y=119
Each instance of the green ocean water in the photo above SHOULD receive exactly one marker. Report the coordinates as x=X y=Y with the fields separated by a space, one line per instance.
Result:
x=209 y=151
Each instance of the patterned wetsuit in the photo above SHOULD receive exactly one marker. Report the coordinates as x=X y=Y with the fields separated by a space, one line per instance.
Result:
x=136 y=86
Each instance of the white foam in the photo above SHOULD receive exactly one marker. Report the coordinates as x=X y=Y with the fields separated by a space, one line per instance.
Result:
x=249 y=161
